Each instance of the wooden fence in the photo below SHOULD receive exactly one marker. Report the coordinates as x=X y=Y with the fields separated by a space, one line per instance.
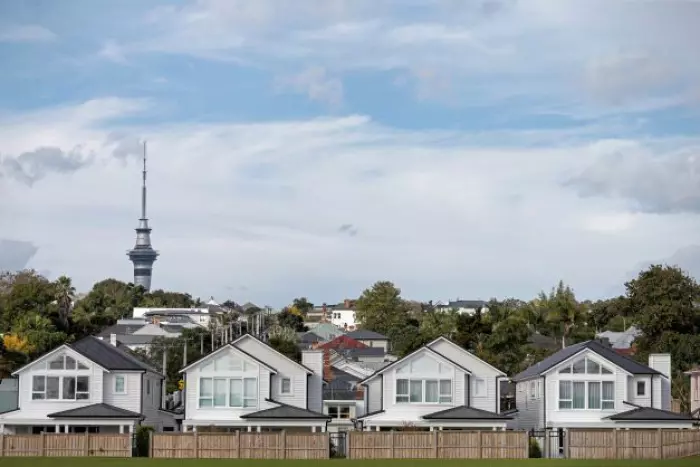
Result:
x=437 y=445
x=633 y=444
x=240 y=445
x=66 y=445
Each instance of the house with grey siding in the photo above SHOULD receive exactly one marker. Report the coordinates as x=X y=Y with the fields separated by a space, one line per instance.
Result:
x=439 y=386
x=247 y=385
x=90 y=385
x=590 y=385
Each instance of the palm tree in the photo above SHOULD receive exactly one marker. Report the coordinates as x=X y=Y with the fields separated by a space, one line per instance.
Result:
x=65 y=294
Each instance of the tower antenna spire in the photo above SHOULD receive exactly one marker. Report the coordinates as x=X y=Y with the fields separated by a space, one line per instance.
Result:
x=143 y=188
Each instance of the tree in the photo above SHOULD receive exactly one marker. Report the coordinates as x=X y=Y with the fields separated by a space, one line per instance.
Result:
x=563 y=314
x=65 y=294
x=303 y=305
x=381 y=308
x=284 y=340
x=291 y=320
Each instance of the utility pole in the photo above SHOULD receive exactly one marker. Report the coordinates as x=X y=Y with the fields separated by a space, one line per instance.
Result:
x=184 y=355
x=165 y=373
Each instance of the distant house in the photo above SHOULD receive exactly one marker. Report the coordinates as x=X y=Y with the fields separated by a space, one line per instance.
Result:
x=90 y=385
x=621 y=341
x=694 y=374
x=326 y=331
x=590 y=385
x=308 y=339
x=462 y=306
x=199 y=316
x=370 y=338
x=9 y=394
x=342 y=342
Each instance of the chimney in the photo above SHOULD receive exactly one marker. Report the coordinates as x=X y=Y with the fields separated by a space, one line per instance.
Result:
x=661 y=362
x=113 y=339
x=313 y=360
x=661 y=387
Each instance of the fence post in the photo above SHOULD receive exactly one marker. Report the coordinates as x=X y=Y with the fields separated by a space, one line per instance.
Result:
x=660 y=443
x=283 y=445
x=391 y=445
x=526 y=438
x=348 y=446
x=435 y=444
x=238 y=444
x=87 y=443
x=2 y=444
x=565 y=434
x=480 y=444
x=42 y=437
x=614 y=443
x=150 y=443
x=196 y=445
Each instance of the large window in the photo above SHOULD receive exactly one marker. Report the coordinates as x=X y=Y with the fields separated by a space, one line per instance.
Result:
x=228 y=392
x=585 y=366
x=339 y=411
x=592 y=395
x=65 y=362
x=424 y=391
x=46 y=387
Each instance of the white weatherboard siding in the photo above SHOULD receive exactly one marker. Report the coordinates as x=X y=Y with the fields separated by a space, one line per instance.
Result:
x=39 y=409
x=285 y=368
x=480 y=370
x=374 y=394
x=313 y=359
x=130 y=399
x=151 y=393
x=529 y=399
x=644 y=399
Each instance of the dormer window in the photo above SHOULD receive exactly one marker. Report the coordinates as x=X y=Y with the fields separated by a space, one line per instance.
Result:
x=585 y=366
x=424 y=380
x=61 y=378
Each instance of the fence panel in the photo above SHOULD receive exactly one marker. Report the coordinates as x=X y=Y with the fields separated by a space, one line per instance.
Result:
x=633 y=444
x=241 y=445
x=438 y=445
x=66 y=445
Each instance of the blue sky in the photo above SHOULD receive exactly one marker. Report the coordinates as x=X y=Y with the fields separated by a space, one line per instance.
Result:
x=478 y=149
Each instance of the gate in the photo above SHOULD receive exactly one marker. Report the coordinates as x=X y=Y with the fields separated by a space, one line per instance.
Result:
x=339 y=444
x=551 y=442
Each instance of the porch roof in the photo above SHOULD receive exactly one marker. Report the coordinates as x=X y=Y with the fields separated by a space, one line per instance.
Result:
x=285 y=412
x=650 y=414
x=96 y=411
x=463 y=412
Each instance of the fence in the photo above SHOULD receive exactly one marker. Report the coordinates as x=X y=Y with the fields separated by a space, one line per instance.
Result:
x=437 y=445
x=633 y=444
x=66 y=445
x=240 y=445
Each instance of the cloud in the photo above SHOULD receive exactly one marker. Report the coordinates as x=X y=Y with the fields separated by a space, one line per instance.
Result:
x=441 y=201
x=112 y=51
x=125 y=146
x=655 y=182
x=315 y=83
x=26 y=33
x=348 y=229
x=32 y=166
x=15 y=254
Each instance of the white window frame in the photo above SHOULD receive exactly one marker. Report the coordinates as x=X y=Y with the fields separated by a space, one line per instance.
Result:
x=118 y=378
x=605 y=404
x=339 y=409
x=643 y=386
x=77 y=396
x=443 y=397
x=66 y=362
x=248 y=401
x=569 y=368
x=479 y=387
x=289 y=389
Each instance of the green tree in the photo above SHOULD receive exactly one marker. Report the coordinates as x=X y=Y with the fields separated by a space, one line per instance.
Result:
x=285 y=341
x=290 y=320
x=381 y=308
x=303 y=305
x=65 y=294
x=563 y=313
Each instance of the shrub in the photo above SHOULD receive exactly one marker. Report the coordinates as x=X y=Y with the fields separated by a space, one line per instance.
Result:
x=534 y=450
x=142 y=440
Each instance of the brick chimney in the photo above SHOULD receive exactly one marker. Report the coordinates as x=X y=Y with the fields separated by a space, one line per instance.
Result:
x=327 y=368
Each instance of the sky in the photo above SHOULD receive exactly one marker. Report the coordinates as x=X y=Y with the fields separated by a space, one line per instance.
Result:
x=470 y=150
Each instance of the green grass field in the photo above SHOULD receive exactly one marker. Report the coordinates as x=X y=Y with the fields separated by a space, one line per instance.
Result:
x=143 y=462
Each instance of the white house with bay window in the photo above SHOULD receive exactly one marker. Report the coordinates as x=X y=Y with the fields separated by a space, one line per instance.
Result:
x=91 y=385
x=440 y=386
x=247 y=385
x=589 y=385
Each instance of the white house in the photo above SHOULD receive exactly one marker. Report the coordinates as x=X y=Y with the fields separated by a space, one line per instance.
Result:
x=344 y=318
x=199 y=316
x=439 y=386
x=468 y=307
x=248 y=385
x=589 y=385
x=90 y=385
x=370 y=338
x=694 y=391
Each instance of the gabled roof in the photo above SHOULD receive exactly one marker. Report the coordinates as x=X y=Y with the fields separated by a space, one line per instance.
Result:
x=343 y=342
x=412 y=354
x=456 y=345
x=96 y=411
x=108 y=356
x=284 y=411
x=352 y=354
x=607 y=353
x=121 y=329
x=309 y=337
x=465 y=413
x=366 y=335
x=250 y=336
x=230 y=345
x=649 y=414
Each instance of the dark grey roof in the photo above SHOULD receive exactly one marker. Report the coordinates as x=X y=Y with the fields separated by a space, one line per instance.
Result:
x=136 y=339
x=96 y=411
x=607 y=353
x=286 y=411
x=121 y=329
x=108 y=356
x=369 y=414
x=647 y=413
x=465 y=413
x=172 y=328
x=366 y=335
x=309 y=337
x=467 y=304
x=353 y=354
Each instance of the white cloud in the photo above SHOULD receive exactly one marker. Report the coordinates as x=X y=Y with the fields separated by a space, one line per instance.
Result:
x=258 y=207
x=26 y=33
x=316 y=84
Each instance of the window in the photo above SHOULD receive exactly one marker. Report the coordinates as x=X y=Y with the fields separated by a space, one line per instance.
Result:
x=120 y=384
x=592 y=395
x=533 y=389
x=342 y=411
x=479 y=387
x=228 y=392
x=641 y=388
x=585 y=366
x=60 y=387
x=285 y=386
x=428 y=391
x=65 y=362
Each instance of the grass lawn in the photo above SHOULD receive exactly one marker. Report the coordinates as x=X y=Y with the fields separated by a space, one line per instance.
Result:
x=144 y=462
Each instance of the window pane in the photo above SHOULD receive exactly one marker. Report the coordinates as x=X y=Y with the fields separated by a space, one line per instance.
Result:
x=68 y=387
x=404 y=368
x=445 y=387
x=251 y=387
x=401 y=398
x=606 y=371
x=565 y=390
x=564 y=404
x=52 y=387
x=38 y=396
x=250 y=402
x=431 y=391
x=445 y=399
x=579 y=366
x=594 y=395
x=56 y=364
x=219 y=392
x=333 y=411
x=641 y=388
x=566 y=369
x=206 y=387
x=70 y=363
x=402 y=386
x=608 y=391
x=592 y=367
x=82 y=366
x=424 y=364
x=205 y=402
x=38 y=384
x=416 y=388
x=119 y=384
x=286 y=386
x=345 y=412
x=82 y=396
x=579 y=395
x=236 y=396
x=608 y=405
